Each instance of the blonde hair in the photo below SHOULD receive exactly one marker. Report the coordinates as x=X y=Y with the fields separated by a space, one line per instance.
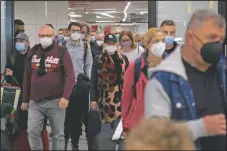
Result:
x=137 y=37
x=149 y=35
x=160 y=134
x=146 y=40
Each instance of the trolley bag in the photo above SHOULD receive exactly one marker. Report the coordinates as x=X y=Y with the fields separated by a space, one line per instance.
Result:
x=104 y=140
x=6 y=143
x=9 y=96
x=94 y=127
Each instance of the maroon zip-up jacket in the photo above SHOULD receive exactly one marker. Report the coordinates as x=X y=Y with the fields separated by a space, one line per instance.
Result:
x=59 y=80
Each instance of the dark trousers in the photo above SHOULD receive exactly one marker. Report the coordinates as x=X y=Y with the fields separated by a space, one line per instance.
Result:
x=76 y=115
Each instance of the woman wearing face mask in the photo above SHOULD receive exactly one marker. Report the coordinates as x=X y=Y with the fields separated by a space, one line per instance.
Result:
x=136 y=77
x=138 y=39
x=128 y=47
x=15 y=67
x=107 y=82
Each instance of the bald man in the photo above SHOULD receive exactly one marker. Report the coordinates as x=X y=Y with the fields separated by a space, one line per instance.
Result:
x=48 y=82
x=190 y=84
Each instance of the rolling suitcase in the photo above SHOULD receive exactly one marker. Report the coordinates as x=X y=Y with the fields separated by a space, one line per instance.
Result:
x=6 y=143
x=94 y=127
x=104 y=140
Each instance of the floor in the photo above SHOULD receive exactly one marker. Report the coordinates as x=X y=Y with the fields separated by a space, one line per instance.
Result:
x=82 y=143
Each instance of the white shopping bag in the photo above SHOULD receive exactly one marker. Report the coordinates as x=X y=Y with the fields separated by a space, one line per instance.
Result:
x=118 y=131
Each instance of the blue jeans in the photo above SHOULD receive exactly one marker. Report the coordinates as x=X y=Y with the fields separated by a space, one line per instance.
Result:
x=37 y=111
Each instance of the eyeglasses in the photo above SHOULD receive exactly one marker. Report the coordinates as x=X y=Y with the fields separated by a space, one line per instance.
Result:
x=43 y=36
x=75 y=31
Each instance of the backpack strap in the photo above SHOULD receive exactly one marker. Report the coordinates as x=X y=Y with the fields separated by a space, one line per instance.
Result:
x=136 y=74
x=85 y=51
x=138 y=49
x=85 y=54
x=63 y=43
x=221 y=77
x=12 y=59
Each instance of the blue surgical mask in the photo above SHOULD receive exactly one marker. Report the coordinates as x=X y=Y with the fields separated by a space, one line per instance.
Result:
x=140 y=43
x=60 y=37
x=117 y=37
x=169 y=40
x=92 y=38
x=20 y=46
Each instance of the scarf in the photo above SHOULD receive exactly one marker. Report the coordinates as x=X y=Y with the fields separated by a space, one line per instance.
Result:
x=110 y=84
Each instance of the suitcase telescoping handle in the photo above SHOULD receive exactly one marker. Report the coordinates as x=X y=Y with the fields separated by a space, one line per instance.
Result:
x=4 y=79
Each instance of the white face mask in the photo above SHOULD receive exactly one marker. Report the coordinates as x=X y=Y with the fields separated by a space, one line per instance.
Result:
x=99 y=42
x=46 y=42
x=158 y=49
x=111 y=49
x=75 y=36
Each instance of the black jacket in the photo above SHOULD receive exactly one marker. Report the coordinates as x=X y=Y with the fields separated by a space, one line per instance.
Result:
x=95 y=49
x=17 y=68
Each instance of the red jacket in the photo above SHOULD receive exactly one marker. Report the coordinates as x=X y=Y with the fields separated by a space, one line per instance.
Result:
x=133 y=108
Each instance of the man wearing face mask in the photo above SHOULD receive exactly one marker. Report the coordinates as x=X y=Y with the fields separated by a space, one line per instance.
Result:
x=48 y=82
x=107 y=72
x=189 y=84
x=169 y=28
x=15 y=67
x=60 y=37
x=97 y=44
x=81 y=55
x=93 y=43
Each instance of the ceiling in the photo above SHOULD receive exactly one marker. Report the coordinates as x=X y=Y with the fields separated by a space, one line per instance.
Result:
x=108 y=11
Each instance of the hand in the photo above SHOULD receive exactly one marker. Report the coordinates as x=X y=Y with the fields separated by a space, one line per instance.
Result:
x=9 y=72
x=63 y=103
x=125 y=135
x=88 y=39
x=93 y=105
x=24 y=106
x=215 y=124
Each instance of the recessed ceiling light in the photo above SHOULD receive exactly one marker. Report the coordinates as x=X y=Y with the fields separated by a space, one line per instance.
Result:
x=104 y=21
x=71 y=15
x=105 y=9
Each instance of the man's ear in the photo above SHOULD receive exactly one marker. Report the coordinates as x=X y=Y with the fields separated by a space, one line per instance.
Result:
x=188 y=37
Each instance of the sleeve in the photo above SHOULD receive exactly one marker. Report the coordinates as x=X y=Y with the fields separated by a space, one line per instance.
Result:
x=88 y=62
x=9 y=66
x=157 y=103
x=68 y=74
x=94 y=79
x=127 y=92
x=27 y=82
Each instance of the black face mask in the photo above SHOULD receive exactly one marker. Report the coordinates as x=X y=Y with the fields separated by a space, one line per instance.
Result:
x=18 y=31
x=211 y=52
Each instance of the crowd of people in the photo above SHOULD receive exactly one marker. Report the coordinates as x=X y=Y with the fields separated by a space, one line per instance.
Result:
x=163 y=95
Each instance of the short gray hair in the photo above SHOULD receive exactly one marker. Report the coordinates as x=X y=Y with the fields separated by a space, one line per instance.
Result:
x=202 y=15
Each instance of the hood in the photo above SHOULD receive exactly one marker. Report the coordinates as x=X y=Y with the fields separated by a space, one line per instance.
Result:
x=173 y=63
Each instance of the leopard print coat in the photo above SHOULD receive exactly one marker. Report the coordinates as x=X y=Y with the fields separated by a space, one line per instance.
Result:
x=108 y=90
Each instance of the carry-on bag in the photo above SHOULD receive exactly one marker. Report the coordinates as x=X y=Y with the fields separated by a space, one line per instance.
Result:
x=9 y=96
x=104 y=140
x=6 y=143
x=94 y=127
